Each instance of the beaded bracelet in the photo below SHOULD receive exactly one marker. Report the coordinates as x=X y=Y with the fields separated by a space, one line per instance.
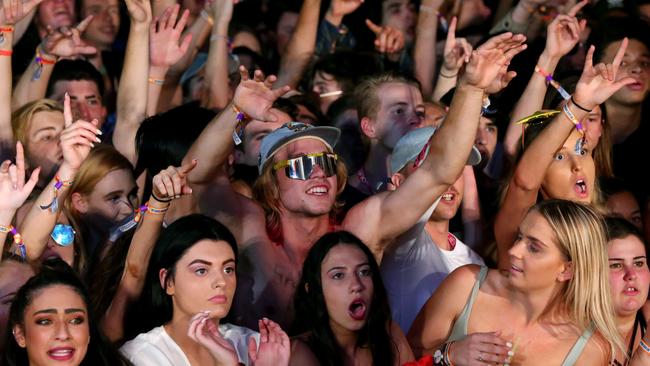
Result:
x=54 y=205
x=549 y=80
x=3 y=30
x=239 y=129
x=18 y=239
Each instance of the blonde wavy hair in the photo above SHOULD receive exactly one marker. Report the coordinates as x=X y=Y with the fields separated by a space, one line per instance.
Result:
x=265 y=191
x=582 y=239
x=21 y=118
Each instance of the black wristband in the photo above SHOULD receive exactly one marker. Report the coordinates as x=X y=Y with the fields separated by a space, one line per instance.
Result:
x=579 y=106
x=165 y=200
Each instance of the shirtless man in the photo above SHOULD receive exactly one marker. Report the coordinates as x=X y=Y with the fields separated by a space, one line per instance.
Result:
x=292 y=208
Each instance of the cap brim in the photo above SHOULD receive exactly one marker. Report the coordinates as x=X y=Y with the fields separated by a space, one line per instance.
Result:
x=330 y=135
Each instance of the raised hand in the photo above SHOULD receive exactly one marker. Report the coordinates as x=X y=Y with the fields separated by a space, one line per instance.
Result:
x=172 y=182
x=457 y=51
x=341 y=8
x=502 y=80
x=203 y=331
x=275 y=347
x=77 y=138
x=221 y=11
x=14 y=191
x=13 y=11
x=139 y=11
x=563 y=33
x=597 y=83
x=255 y=97
x=490 y=61
x=164 y=35
x=67 y=42
x=388 y=39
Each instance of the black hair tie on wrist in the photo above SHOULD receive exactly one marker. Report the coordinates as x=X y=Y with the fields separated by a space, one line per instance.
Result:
x=160 y=199
x=579 y=106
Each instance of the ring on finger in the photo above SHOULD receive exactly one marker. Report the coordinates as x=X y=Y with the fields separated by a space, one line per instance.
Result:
x=480 y=356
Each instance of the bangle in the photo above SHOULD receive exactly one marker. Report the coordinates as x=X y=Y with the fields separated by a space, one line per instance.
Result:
x=207 y=17
x=446 y=358
x=447 y=76
x=161 y=200
x=53 y=206
x=239 y=128
x=644 y=346
x=18 y=239
x=572 y=117
x=216 y=37
x=579 y=106
x=6 y=52
x=154 y=81
x=549 y=80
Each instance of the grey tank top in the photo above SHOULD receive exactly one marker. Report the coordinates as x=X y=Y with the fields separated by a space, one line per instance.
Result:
x=459 y=330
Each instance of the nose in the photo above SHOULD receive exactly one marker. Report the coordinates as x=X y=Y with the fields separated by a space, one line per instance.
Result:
x=630 y=274
x=480 y=137
x=576 y=164
x=218 y=280
x=62 y=331
x=356 y=285
x=84 y=111
x=515 y=249
x=316 y=172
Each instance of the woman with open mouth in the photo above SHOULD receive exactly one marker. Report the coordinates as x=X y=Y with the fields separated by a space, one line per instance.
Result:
x=188 y=291
x=342 y=312
x=51 y=323
x=629 y=278
x=553 y=306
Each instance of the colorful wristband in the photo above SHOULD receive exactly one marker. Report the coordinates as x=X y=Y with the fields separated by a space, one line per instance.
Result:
x=18 y=239
x=239 y=128
x=549 y=80
x=53 y=206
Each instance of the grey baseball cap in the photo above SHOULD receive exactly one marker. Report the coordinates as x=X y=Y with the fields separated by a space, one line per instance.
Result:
x=410 y=145
x=290 y=132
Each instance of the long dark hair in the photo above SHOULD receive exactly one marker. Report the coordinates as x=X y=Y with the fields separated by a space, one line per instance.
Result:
x=311 y=310
x=155 y=307
x=57 y=272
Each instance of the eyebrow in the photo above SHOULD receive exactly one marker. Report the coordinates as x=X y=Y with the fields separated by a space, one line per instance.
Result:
x=44 y=129
x=113 y=192
x=534 y=239
x=230 y=260
x=621 y=259
x=54 y=311
x=201 y=261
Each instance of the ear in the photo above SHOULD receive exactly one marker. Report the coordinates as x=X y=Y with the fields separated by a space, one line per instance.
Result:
x=567 y=272
x=19 y=336
x=307 y=287
x=368 y=127
x=168 y=286
x=79 y=202
x=397 y=179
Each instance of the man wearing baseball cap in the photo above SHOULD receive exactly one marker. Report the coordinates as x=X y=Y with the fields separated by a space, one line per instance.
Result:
x=300 y=179
x=418 y=260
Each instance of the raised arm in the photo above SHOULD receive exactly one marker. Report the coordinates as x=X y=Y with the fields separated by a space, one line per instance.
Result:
x=76 y=141
x=456 y=54
x=302 y=44
x=596 y=84
x=562 y=35
x=424 y=52
x=132 y=92
x=253 y=98
x=13 y=191
x=11 y=12
x=391 y=214
x=57 y=44
x=216 y=68
x=165 y=49
x=167 y=185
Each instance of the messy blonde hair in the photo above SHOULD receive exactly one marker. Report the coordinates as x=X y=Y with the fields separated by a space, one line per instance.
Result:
x=581 y=237
x=21 y=119
x=265 y=191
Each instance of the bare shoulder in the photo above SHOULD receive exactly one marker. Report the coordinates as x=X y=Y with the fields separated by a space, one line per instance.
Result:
x=363 y=219
x=596 y=352
x=301 y=354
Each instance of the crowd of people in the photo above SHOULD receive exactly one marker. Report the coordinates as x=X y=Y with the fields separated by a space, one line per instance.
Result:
x=324 y=182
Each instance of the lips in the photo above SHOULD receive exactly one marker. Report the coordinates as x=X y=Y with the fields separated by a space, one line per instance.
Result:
x=515 y=269
x=630 y=291
x=318 y=190
x=580 y=187
x=218 y=299
x=61 y=353
x=636 y=86
x=357 y=309
x=448 y=197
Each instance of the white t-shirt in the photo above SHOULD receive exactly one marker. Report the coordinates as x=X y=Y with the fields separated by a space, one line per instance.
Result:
x=157 y=348
x=413 y=268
